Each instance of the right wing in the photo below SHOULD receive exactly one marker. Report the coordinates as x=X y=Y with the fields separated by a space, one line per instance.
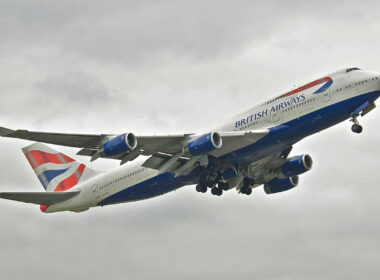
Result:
x=40 y=198
x=161 y=148
x=62 y=139
x=147 y=145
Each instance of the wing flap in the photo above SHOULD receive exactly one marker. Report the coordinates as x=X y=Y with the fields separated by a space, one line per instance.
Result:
x=235 y=140
x=159 y=159
x=40 y=198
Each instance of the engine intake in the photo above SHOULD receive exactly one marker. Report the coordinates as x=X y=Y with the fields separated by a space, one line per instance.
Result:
x=296 y=166
x=280 y=185
x=205 y=144
x=120 y=144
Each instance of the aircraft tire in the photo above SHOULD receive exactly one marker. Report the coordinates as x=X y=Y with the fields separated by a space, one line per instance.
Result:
x=356 y=128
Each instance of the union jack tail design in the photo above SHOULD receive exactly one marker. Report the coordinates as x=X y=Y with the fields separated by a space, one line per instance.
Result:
x=56 y=171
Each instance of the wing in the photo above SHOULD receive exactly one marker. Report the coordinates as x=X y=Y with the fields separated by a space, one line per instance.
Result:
x=91 y=142
x=161 y=148
x=62 y=139
x=40 y=198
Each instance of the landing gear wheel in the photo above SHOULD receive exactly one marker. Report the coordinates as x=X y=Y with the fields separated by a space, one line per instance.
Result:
x=246 y=190
x=220 y=191
x=216 y=191
x=357 y=128
x=201 y=188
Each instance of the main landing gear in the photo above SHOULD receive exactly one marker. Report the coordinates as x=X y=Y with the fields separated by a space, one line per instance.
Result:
x=356 y=127
x=247 y=183
x=214 y=182
x=218 y=189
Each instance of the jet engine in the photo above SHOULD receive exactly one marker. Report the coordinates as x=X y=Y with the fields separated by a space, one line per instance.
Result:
x=120 y=144
x=295 y=166
x=280 y=185
x=205 y=144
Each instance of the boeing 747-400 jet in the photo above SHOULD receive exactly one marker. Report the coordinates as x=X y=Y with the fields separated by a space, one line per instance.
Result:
x=250 y=150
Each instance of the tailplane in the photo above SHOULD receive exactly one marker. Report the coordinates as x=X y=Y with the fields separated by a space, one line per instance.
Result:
x=56 y=171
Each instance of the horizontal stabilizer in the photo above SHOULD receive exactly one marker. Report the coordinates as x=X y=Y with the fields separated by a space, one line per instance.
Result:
x=40 y=198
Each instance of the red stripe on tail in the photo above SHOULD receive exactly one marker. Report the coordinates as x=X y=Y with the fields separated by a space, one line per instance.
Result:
x=37 y=158
x=71 y=181
x=44 y=208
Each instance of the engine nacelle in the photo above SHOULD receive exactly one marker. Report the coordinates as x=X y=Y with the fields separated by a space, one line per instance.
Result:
x=280 y=185
x=205 y=144
x=120 y=144
x=296 y=166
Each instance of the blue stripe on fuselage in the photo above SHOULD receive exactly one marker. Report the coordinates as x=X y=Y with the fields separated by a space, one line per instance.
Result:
x=279 y=138
x=324 y=87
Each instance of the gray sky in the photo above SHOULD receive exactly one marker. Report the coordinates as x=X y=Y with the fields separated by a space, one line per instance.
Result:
x=187 y=66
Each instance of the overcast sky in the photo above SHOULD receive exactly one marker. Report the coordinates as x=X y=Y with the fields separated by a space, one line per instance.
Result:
x=187 y=66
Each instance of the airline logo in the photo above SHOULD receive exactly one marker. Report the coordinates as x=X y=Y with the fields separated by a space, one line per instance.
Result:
x=56 y=171
x=290 y=99
x=316 y=85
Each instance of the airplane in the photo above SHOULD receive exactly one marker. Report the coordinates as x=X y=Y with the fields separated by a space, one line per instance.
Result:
x=250 y=150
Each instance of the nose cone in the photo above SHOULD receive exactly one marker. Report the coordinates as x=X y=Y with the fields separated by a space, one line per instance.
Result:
x=374 y=79
x=377 y=81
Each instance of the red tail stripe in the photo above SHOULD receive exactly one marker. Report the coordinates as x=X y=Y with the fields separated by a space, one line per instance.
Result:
x=71 y=181
x=37 y=158
x=44 y=208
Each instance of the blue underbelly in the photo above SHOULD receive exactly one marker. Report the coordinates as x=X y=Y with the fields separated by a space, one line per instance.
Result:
x=155 y=186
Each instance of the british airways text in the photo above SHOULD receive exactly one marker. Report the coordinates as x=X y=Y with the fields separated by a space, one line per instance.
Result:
x=271 y=110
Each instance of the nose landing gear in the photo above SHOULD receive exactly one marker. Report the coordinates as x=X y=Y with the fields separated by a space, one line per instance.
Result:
x=356 y=127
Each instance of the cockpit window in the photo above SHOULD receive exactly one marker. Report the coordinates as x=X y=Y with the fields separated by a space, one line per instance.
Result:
x=352 y=69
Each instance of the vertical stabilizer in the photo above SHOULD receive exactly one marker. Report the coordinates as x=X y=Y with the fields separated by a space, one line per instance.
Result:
x=56 y=171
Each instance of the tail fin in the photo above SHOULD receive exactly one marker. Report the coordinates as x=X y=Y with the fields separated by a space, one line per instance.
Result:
x=56 y=171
